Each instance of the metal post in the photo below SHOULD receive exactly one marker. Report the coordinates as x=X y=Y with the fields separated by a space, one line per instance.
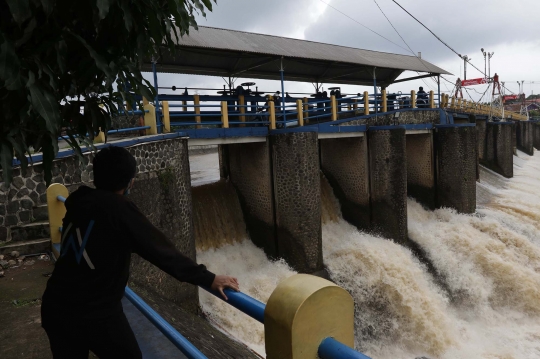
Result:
x=156 y=100
x=375 y=88
x=282 y=91
x=439 y=89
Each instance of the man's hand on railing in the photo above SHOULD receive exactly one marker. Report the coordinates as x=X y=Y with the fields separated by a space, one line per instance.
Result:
x=222 y=282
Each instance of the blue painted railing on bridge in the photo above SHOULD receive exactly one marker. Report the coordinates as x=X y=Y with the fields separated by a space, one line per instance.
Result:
x=328 y=349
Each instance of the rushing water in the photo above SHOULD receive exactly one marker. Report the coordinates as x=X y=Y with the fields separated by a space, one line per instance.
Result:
x=489 y=263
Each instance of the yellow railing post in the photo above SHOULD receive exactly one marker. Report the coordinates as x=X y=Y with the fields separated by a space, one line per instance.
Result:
x=459 y=102
x=224 y=115
x=333 y=106
x=145 y=101
x=431 y=99
x=453 y=104
x=413 y=99
x=355 y=105
x=242 y=109
x=197 y=102
x=304 y=310
x=366 y=103
x=166 y=117
x=384 y=101
x=272 y=114
x=56 y=209
x=306 y=109
x=100 y=137
x=150 y=119
x=300 y=110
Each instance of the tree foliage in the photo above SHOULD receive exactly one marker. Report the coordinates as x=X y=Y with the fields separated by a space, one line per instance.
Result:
x=58 y=57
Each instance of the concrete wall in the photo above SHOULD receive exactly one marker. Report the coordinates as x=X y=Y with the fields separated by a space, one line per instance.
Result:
x=525 y=136
x=421 y=168
x=456 y=153
x=388 y=182
x=481 y=126
x=536 y=136
x=344 y=162
x=250 y=171
x=162 y=191
x=295 y=157
x=499 y=155
x=163 y=174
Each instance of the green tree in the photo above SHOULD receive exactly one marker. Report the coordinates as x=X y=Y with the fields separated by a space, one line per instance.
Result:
x=60 y=56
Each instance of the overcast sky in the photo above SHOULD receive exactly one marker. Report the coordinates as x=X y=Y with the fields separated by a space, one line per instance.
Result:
x=508 y=28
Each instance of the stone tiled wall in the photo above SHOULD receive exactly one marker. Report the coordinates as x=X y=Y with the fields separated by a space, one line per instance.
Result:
x=498 y=154
x=421 y=168
x=404 y=118
x=250 y=171
x=525 y=136
x=25 y=200
x=536 y=139
x=162 y=192
x=344 y=162
x=388 y=182
x=297 y=190
x=456 y=154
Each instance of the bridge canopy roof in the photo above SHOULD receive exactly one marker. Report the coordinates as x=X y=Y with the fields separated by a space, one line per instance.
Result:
x=221 y=52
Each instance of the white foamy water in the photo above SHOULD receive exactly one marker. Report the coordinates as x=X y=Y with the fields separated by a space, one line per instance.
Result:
x=258 y=278
x=489 y=263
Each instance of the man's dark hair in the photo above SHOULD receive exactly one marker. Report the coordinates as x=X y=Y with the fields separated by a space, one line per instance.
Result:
x=421 y=88
x=114 y=167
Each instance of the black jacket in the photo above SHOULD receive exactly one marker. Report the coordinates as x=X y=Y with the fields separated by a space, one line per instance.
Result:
x=100 y=231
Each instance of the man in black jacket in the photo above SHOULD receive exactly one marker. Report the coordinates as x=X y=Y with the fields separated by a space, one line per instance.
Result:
x=81 y=309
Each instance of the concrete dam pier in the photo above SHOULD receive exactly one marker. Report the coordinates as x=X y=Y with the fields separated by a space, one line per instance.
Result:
x=372 y=171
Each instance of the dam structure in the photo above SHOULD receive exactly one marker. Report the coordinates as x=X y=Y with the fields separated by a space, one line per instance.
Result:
x=421 y=206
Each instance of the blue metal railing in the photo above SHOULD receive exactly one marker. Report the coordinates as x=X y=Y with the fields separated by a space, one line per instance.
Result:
x=332 y=349
x=184 y=345
x=243 y=303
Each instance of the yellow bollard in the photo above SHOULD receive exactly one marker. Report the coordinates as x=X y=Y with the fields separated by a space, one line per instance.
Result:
x=459 y=102
x=242 y=109
x=453 y=105
x=100 y=137
x=166 y=117
x=272 y=115
x=145 y=101
x=150 y=119
x=333 y=106
x=306 y=109
x=224 y=115
x=304 y=310
x=56 y=209
x=366 y=103
x=197 y=102
x=384 y=101
x=299 y=109
x=413 y=99
x=431 y=99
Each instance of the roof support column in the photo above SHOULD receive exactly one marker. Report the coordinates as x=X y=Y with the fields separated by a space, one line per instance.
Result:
x=282 y=92
x=156 y=99
x=439 y=90
x=375 y=89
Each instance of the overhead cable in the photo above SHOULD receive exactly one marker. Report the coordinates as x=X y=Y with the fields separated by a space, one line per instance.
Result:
x=438 y=38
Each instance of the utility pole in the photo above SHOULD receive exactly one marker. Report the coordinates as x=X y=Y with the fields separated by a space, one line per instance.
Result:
x=465 y=59
x=484 y=53
x=490 y=55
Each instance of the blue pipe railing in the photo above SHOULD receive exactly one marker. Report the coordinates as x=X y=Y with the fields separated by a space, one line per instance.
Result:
x=332 y=349
x=243 y=303
x=184 y=345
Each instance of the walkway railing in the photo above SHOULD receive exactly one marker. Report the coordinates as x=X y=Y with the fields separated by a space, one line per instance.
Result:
x=462 y=105
x=310 y=292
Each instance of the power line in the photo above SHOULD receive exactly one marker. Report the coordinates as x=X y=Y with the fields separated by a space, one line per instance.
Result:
x=438 y=38
x=359 y=23
x=405 y=42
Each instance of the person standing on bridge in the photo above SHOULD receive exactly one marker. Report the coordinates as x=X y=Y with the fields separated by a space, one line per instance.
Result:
x=81 y=308
x=421 y=98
